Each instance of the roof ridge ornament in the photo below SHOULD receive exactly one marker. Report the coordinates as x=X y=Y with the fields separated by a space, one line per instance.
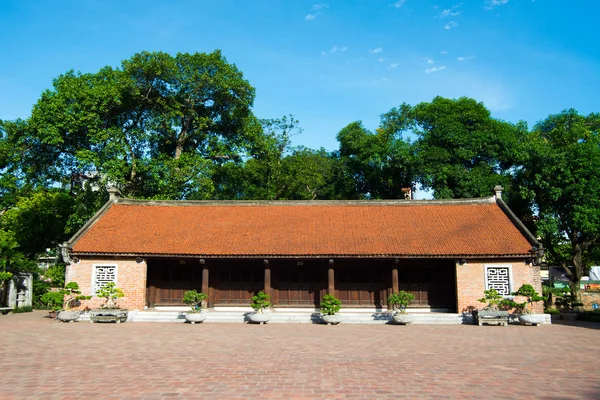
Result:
x=498 y=192
x=113 y=193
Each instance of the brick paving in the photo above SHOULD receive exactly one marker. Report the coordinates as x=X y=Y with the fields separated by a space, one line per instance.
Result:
x=40 y=358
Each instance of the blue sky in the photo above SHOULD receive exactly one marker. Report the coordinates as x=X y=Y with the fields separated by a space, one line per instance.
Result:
x=328 y=63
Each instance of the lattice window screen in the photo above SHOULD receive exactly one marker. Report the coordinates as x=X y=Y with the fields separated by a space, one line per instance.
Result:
x=498 y=278
x=104 y=275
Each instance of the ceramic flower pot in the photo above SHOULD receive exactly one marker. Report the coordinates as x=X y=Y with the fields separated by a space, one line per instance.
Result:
x=195 y=317
x=260 y=318
x=68 y=316
x=332 y=319
x=531 y=319
x=403 y=319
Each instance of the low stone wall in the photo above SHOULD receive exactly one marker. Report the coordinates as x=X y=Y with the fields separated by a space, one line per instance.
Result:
x=588 y=298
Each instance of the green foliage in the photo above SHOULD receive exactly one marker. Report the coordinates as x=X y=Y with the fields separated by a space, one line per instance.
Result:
x=528 y=291
x=53 y=300
x=559 y=178
x=551 y=311
x=194 y=299
x=330 y=305
x=55 y=275
x=590 y=316
x=401 y=300
x=24 y=309
x=566 y=300
x=4 y=276
x=260 y=302
x=492 y=298
x=73 y=294
x=110 y=292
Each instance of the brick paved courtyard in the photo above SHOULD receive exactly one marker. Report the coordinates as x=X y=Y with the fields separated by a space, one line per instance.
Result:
x=40 y=358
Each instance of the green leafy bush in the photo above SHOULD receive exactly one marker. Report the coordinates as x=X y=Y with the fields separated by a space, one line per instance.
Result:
x=526 y=290
x=53 y=300
x=260 y=302
x=590 y=316
x=493 y=300
x=566 y=300
x=401 y=300
x=551 y=311
x=73 y=294
x=194 y=299
x=24 y=309
x=330 y=305
x=110 y=292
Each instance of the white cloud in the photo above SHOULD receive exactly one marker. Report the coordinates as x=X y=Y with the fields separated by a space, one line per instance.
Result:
x=450 y=25
x=435 y=69
x=398 y=4
x=443 y=52
x=310 y=17
x=393 y=65
x=490 y=4
x=449 y=13
x=430 y=61
x=318 y=7
x=375 y=51
x=381 y=59
x=465 y=58
x=335 y=49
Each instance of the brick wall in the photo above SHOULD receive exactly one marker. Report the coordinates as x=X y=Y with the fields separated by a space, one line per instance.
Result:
x=131 y=278
x=588 y=298
x=470 y=282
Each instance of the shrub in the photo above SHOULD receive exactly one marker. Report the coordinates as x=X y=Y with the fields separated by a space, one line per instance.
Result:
x=590 y=316
x=194 y=299
x=492 y=298
x=24 y=309
x=552 y=311
x=330 y=305
x=53 y=300
x=526 y=290
x=72 y=294
x=110 y=292
x=260 y=302
x=401 y=300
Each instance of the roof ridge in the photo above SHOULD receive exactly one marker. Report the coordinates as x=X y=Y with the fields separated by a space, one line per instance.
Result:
x=390 y=202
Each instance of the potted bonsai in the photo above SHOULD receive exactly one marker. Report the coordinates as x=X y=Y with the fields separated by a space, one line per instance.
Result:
x=532 y=296
x=259 y=303
x=71 y=294
x=194 y=299
x=491 y=313
x=330 y=306
x=399 y=302
x=109 y=310
x=567 y=304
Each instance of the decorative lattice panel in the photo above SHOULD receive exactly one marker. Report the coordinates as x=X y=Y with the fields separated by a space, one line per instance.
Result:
x=498 y=278
x=104 y=275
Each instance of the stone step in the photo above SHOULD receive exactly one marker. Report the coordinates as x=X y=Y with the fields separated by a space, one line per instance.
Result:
x=297 y=317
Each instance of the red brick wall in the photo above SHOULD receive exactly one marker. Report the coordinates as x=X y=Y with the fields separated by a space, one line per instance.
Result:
x=470 y=282
x=131 y=278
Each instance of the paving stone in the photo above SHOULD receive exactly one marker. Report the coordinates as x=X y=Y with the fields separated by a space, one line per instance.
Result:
x=47 y=360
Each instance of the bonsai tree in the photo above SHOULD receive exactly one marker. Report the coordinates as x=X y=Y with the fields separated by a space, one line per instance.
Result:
x=401 y=300
x=72 y=294
x=493 y=300
x=110 y=292
x=566 y=300
x=526 y=290
x=194 y=299
x=330 y=305
x=53 y=300
x=260 y=302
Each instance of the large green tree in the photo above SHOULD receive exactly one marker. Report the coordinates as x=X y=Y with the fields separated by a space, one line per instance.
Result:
x=461 y=151
x=560 y=176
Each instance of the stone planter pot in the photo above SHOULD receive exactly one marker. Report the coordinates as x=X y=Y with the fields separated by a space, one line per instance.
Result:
x=531 y=319
x=332 y=319
x=403 y=319
x=195 y=317
x=260 y=318
x=68 y=316
x=108 y=315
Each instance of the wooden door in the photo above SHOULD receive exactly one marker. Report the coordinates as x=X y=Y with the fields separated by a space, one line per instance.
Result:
x=361 y=285
x=301 y=286
x=432 y=282
x=237 y=284
x=168 y=280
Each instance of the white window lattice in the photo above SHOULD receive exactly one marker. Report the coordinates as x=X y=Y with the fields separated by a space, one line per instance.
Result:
x=104 y=275
x=498 y=278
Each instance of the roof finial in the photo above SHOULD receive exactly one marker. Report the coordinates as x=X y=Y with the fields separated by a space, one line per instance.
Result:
x=113 y=193
x=498 y=189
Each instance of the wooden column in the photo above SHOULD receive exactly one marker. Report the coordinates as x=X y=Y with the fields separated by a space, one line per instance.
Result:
x=331 y=279
x=268 y=288
x=394 y=280
x=208 y=303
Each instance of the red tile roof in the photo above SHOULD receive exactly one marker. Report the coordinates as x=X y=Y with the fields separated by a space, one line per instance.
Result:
x=304 y=229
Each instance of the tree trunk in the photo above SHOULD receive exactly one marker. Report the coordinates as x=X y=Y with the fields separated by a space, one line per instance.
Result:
x=577 y=273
